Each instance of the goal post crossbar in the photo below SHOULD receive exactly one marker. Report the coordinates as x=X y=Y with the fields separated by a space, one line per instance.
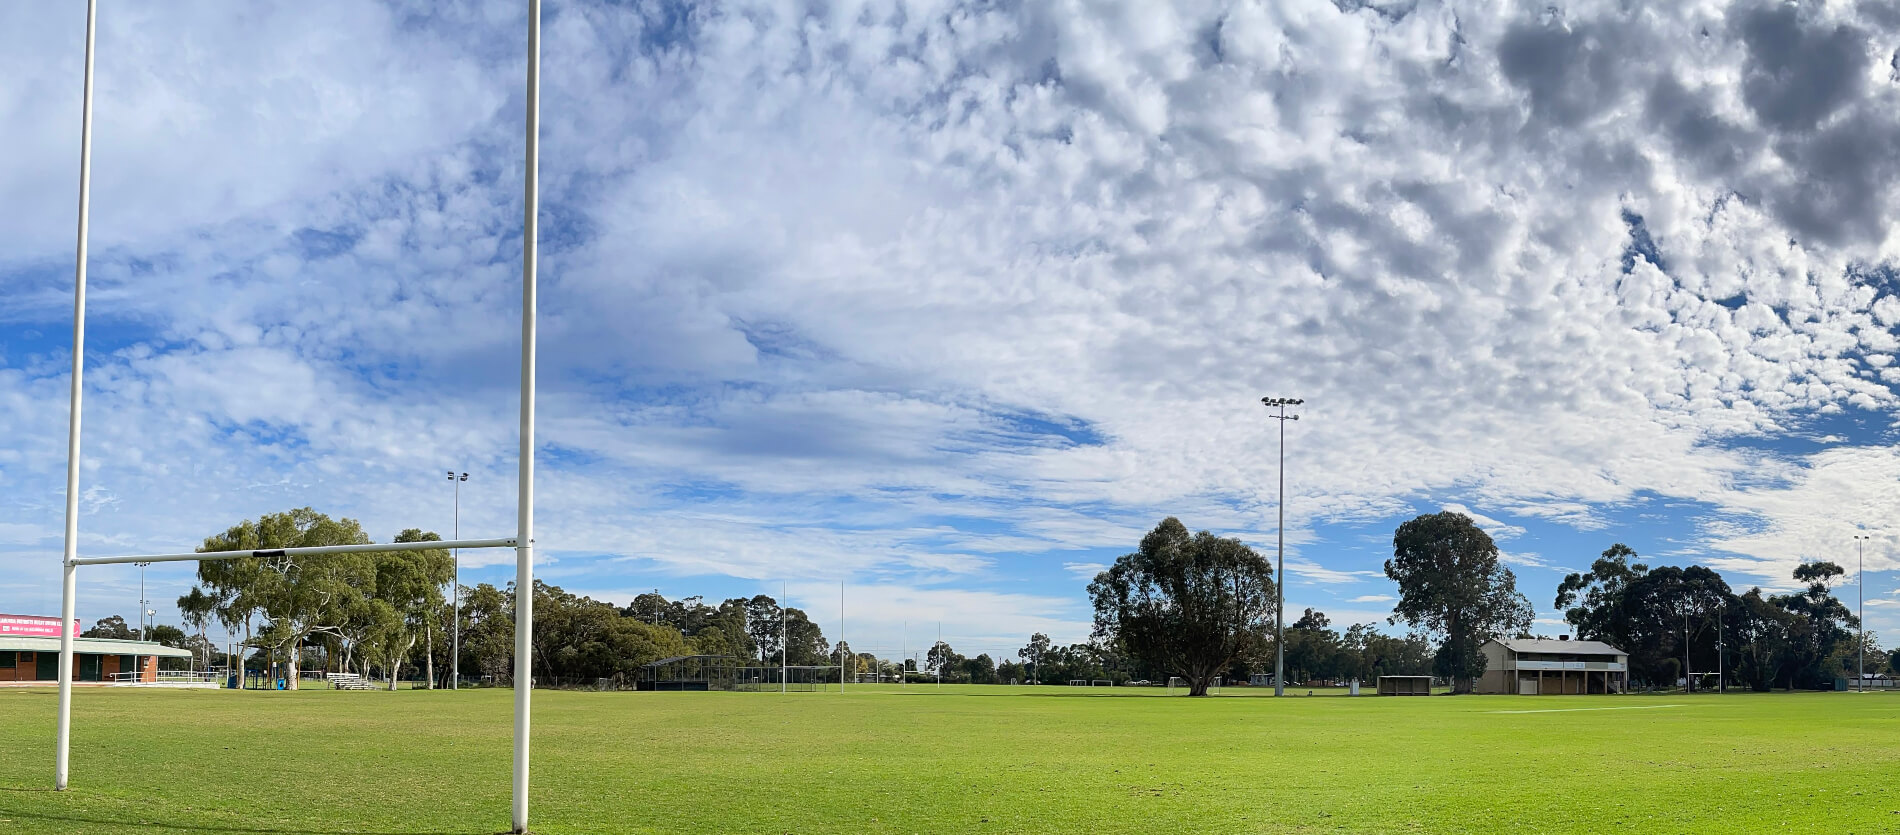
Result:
x=307 y=551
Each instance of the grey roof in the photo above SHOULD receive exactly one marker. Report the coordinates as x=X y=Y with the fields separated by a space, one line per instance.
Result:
x=1547 y=645
x=92 y=646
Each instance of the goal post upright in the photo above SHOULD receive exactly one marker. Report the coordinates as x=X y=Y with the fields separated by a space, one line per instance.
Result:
x=524 y=498
x=69 y=586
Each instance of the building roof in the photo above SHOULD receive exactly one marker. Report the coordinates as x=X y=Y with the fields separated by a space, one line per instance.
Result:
x=94 y=646
x=1555 y=647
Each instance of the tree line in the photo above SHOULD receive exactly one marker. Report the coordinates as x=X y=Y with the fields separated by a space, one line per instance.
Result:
x=1196 y=604
x=1673 y=621
x=1183 y=604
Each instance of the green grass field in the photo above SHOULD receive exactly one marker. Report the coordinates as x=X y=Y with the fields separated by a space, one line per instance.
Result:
x=970 y=759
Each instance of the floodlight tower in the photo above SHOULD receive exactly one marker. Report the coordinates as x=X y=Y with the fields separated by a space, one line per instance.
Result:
x=1279 y=573
x=1860 y=581
x=455 y=554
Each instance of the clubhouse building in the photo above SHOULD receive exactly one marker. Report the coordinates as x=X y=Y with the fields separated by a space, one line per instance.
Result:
x=29 y=654
x=1539 y=666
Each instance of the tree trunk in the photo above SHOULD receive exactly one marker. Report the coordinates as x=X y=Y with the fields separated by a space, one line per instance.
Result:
x=296 y=657
x=395 y=662
x=428 y=631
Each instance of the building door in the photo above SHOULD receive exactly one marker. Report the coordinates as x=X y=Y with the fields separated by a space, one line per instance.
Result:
x=129 y=664
x=46 y=666
x=1527 y=687
x=89 y=667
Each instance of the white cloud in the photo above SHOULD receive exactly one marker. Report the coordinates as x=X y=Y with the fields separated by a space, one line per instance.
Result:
x=924 y=297
x=1373 y=598
x=1085 y=570
x=1498 y=530
x=1314 y=572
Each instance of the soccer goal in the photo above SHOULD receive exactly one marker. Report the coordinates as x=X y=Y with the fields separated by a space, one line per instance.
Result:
x=522 y=542
x=1078 y=682
x=1174 y=682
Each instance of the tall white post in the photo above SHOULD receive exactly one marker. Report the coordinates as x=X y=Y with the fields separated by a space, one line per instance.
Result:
x=1279 y=576
x=524 y=546
x=69 y=587
x=1279 y=573
x=455 y=591
x=840 y=636
x=784 y=634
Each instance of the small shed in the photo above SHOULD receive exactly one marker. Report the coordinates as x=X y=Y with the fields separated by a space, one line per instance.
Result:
x=1405 y=685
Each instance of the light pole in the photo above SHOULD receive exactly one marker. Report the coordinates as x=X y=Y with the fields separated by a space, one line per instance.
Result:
x=455 y=644
x=1721 y=613
x=143 y=603
x=784 y=634
x=1860 y=581
x=1279 y=573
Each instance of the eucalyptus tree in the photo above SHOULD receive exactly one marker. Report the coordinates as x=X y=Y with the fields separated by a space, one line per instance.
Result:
x=1186 y=603
x=411 y=583
x=1592 y=601
x=1452 y=584
x=298 y=596
x=1822 y=635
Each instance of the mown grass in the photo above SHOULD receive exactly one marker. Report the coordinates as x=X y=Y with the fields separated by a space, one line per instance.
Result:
x=976 y=759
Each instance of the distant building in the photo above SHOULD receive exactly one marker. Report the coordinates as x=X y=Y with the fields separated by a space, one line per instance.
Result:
x=29 y=654
x=1541 y=666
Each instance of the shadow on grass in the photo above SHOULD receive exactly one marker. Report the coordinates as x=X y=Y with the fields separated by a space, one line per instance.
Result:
x=177 y=827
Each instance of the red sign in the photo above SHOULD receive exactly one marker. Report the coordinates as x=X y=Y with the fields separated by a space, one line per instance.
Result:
x=33 y=625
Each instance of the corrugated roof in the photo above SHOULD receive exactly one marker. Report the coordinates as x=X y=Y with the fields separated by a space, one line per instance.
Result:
x=1548 y=645
x=95 y=646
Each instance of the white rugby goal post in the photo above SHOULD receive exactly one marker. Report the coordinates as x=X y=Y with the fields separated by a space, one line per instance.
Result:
x=522 y=542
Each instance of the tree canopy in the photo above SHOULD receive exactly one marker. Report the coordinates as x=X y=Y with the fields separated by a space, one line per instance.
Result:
x=1452 y=584
x=1187 y=603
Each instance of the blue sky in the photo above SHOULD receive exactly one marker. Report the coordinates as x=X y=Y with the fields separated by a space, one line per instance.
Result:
x=950 y=302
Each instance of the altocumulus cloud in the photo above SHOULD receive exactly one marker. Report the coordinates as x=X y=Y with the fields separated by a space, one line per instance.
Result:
x=851 y=288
